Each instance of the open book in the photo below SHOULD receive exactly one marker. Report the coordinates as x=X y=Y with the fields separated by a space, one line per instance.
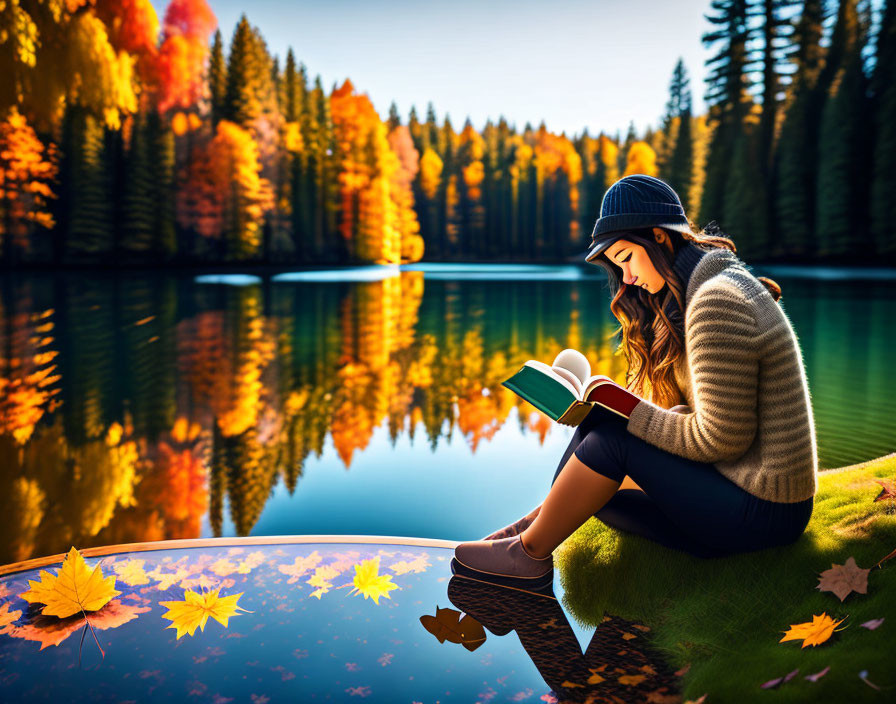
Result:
x=566 y=391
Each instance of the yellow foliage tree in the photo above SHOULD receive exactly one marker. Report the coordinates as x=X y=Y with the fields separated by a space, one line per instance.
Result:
x=102 y=79
x=641 y=159
x=376 y=214
x=225 y=193
x=430 y=172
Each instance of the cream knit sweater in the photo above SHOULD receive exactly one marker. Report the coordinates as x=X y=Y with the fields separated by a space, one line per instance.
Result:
x=744 y=381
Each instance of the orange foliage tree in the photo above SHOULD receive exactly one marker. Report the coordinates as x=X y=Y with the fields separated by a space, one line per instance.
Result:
x=26 y=168
x=376 y=215
x=132 y=26
x=224 y=194
x=180 y=71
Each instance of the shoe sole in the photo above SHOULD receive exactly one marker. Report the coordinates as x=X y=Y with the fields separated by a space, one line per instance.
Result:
x=546 y=592
x=527 y=584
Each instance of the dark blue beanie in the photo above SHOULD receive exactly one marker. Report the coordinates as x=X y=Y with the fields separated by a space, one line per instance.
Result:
x=632 y=202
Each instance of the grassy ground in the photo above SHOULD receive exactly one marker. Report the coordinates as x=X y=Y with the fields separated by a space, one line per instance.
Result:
x=726 y=616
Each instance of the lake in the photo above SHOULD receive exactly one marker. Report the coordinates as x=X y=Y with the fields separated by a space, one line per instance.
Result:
x=141 y=407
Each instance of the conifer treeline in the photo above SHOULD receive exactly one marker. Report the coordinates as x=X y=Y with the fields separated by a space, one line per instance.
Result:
x=134 y=143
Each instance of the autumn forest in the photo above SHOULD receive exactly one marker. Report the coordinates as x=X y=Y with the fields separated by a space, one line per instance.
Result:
x=128 y=140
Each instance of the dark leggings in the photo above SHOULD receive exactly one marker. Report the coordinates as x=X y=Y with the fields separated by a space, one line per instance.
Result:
x=685 y=505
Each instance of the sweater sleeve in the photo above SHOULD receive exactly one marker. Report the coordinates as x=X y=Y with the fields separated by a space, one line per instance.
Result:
x=721 y=339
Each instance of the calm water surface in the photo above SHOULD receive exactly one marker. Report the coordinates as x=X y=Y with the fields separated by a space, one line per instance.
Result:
x=335 y=621
x=141 y=407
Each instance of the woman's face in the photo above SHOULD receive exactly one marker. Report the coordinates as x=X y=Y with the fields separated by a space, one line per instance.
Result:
x=637 y=269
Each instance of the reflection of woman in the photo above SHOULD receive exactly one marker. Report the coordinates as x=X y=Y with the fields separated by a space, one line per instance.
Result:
x=735 y=469
x=545 y=633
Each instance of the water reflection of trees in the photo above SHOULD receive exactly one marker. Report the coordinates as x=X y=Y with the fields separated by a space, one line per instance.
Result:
x=133 y=407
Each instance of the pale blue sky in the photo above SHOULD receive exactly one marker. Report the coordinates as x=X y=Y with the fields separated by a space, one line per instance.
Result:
x=574 y=63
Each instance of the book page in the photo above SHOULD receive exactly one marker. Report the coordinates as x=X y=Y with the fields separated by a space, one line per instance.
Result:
x=545 y=369
x=574 y=362
x=596 y=380
x=571 y=378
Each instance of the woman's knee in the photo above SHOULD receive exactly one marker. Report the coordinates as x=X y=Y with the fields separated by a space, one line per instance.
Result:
x=601 y=450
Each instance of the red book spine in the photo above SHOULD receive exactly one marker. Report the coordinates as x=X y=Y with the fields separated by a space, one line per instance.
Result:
x=614 y=397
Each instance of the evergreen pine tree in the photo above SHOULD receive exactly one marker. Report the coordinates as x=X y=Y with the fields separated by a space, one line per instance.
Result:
x=240 y=102
x=88 y=219
x=161 y=144
x=676 y=156
x=796 y=156
x=217 y=78
x=774 y=33
x=725 y=98
x=138 y=206
x=394 y=118
x=883 y=91
x=844 y=147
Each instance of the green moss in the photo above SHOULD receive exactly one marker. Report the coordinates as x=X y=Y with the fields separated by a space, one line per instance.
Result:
x=726 y=616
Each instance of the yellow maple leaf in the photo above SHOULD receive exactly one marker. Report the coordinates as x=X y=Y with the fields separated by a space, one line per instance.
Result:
x=74 y=588
x=814 y=632
x=369 y=582
x=195 y=608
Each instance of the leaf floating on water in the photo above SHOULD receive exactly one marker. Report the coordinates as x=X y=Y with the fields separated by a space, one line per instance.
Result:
x=818 y=675
x=73 y=589
x=370 y=583
x=195 y=609
x=872 y=624
x=814 y=632
x=863 y=675
x=843 y=579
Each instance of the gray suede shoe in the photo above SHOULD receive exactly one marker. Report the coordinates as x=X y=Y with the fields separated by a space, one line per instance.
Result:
x=503 y=561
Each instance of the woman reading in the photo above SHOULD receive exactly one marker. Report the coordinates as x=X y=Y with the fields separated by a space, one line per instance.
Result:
x=720 y=455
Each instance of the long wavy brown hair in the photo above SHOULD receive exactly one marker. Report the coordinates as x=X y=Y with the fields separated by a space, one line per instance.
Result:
x=651 y=335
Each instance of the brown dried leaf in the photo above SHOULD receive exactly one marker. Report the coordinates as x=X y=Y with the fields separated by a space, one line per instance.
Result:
x=843 y=579
x=888 y=491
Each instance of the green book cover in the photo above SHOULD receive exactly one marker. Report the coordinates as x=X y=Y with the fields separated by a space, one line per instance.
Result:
x=543 y=392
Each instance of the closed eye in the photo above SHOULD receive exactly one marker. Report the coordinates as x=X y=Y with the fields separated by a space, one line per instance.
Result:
x=627 y=258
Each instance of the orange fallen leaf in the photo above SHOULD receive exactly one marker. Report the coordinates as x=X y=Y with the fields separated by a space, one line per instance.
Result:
x=74 y=588
x=843 y=579
x=813 y=632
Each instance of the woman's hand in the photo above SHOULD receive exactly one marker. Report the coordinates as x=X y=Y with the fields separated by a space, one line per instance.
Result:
x=681 y=408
